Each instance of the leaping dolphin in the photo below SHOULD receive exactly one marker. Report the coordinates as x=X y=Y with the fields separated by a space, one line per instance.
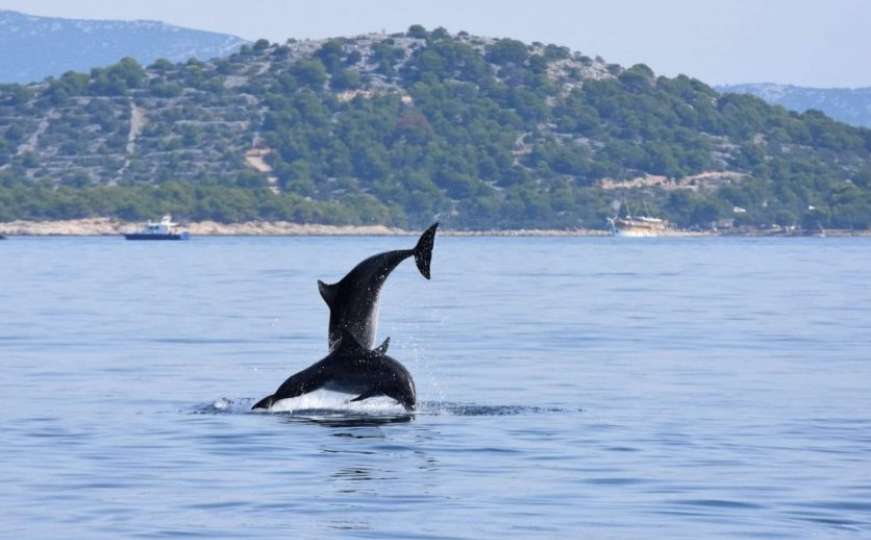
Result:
x=353 y=301
x=352 y=369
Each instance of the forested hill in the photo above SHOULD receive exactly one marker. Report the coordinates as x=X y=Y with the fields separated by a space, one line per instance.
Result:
x=402 y=129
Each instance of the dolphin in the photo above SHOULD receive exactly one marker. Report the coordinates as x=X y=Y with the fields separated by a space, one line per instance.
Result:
x=352 y=369
x=353 y=301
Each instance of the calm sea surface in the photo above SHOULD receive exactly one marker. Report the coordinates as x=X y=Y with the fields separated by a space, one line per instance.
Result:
x=571 y=387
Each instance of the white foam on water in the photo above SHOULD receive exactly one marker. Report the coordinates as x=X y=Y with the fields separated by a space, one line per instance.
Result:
x=222 y=404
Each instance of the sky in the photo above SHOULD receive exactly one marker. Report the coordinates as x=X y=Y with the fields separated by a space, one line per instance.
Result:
x=821 y=43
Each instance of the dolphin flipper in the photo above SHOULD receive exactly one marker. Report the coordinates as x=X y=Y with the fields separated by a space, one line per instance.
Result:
x=367 y=394
x=372 y=392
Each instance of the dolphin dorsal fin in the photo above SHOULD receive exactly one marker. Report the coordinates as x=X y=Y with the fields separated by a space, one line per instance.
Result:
x=381 y=350
x=349 y=344
x=328 y=292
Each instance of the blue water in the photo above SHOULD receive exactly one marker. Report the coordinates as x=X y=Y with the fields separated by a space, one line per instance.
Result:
x=570 y=387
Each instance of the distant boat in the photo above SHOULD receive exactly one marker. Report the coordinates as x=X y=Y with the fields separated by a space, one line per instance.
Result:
x=638 y=227
x=165 y=229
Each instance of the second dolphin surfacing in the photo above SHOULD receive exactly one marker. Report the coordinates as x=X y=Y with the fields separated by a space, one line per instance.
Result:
x=353 y=301
x=353 y=369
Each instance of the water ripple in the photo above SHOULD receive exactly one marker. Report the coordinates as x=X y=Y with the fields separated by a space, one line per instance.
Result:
x=724 y=386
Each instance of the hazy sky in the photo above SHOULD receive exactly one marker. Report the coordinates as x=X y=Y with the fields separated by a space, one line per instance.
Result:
x=805 y=42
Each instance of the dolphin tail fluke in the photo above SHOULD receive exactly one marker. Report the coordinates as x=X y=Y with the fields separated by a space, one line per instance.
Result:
x=264 y=403
x=423 y=250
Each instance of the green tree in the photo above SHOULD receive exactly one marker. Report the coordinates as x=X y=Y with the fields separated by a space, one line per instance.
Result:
x=506 y=51
x=417 y=31
x=310 y=73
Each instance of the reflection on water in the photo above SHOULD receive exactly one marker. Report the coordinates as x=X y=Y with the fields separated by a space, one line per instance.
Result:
x=675 y=388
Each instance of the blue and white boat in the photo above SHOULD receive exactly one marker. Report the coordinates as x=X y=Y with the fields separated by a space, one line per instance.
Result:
x=165 y=229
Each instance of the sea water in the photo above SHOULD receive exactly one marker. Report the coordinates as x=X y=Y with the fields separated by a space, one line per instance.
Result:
x=568 y=387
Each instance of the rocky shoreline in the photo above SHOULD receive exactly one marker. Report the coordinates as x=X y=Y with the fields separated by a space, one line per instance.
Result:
x=114 y=227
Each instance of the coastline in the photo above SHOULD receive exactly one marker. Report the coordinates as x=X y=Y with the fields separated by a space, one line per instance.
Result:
x=114 y=227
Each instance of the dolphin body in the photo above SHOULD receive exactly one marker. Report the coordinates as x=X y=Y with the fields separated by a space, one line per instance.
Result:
x=353 y=301
x=352 y=369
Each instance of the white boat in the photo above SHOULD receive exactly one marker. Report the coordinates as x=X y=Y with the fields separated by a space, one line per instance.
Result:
x=638 y=227
x=164 y=229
